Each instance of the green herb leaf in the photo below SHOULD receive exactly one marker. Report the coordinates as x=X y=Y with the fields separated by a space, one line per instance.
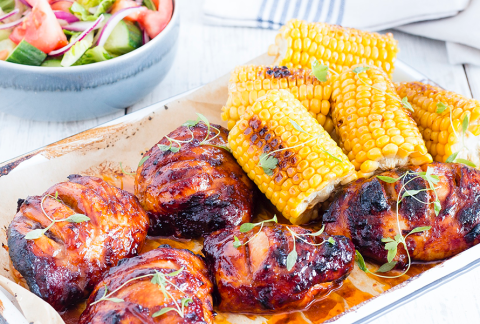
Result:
x=115 y=300
x=466 y=162
x=268 y=163
x=204 y=119
x=319 y=232
x=247 y=227
x=156 y=280
x=465 y=124
x=236 y=242
x=166 y=309
x=360 y=261
x=437 y=207
x=360 y=69
x=410 y=193
x=392 y=253
x=406 y=104
x=391 y=245
x=452 y=157
x=388 y=179
x=150 y=5
x=319 y=71
x=35 y=234
x=333 y=157
x=190 y=123
x=387 y=266
x=441 y=107
x=125 y=172
x=77 y=218
x=186 y=301
x=387 y=239
x=274 y=219
x=175 y=273
x=174 y=149
x=331 y=240
x=420 y=229
x=163 y=148
x=142 y=161
x=291 y=259
x=297 y=126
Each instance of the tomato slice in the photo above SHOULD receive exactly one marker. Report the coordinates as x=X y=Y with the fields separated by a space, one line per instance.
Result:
x=40 y=29
x=156 y=21
x=122 y=4
x=62 y=5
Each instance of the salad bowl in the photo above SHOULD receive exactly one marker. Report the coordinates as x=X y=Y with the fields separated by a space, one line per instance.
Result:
x=88 y=91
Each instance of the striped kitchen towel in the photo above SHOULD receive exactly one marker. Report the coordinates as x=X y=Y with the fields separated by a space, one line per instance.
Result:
x=363 y=14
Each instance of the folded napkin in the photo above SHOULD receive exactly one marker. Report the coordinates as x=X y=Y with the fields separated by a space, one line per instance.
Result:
x=453 y=21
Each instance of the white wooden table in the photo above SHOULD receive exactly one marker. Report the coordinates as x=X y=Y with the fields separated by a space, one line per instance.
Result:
x=207 y=52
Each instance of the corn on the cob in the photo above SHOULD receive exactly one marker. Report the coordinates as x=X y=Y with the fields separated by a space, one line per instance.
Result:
x=374 y=129
x=300 y=42
x=247 y=83
x=439 y=115
x=307 y=163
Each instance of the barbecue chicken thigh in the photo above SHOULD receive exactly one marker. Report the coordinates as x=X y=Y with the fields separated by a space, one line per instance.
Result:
x=255 y=278
x=63 y=265
x=165 y=285
x=196 y=188
x=365 y=211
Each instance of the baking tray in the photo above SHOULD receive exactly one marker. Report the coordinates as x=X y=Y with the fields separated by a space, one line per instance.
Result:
x=124 y=140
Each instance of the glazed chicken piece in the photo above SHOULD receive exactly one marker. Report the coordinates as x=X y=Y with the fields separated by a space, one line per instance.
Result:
x=365 y=211
x=198 y=189
x=136 y=286
x=63 y=265
x=254 y=278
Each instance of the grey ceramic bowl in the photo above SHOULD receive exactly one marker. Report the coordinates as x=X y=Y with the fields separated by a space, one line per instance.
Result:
x=88 y=91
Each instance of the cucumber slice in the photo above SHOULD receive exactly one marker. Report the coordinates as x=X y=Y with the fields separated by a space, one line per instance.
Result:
x=26 y=54
x=4 y=33
x=52 y=63
x=124 y=38
x=8 y=45
x=93 y=55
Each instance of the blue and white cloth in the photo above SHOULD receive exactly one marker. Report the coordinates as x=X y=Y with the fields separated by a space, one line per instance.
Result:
x=454 y=21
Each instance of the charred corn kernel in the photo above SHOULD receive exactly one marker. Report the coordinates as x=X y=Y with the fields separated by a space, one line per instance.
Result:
x=391 y=139
x=332 y=45
x=247 y=83
x=443 y=131
x=304 y=172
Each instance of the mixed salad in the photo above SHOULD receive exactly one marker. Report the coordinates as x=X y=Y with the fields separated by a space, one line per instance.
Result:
x=61 y=33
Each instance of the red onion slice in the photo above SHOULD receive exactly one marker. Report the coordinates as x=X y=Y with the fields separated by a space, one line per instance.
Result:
x=66 y=16
x=12 y=24
x=81 y=26
x=145 y=37
x=112 y=22
x=82 y=36
x=11 y=13
x=25 y=3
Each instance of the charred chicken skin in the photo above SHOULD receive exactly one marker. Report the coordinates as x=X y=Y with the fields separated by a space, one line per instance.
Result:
x=63 y=265
x=365 y=211
x=194 y=189
x=159 y=281
x=254 y=278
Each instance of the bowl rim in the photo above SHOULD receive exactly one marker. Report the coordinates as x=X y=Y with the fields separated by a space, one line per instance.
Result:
x=98 y=65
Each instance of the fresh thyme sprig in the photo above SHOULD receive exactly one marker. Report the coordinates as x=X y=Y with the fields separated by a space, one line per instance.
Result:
x=160 y=279
x=268 y=162
x=293 y=255
x=453 y=158
x=75 y=218
x=391 y=244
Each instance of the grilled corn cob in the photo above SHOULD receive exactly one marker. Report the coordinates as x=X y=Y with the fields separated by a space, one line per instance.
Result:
x=300 y=42
x=247 y=83
x=290 y=157
x=374 y=129
x=440 y=115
